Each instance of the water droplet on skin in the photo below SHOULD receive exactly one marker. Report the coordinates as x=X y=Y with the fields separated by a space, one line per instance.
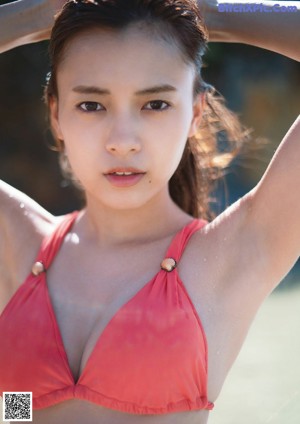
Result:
x=218 y=352
x=22 y=206
x=224 y=238
x=204 y=259
x=74 y=238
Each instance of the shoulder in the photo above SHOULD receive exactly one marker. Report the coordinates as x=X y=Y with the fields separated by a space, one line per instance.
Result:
x=23 y=225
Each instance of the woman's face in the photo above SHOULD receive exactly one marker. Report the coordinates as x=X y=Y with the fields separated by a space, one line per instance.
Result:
x=125 y=105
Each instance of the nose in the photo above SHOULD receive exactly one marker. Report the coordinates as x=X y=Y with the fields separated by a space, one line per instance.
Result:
x=123 y=138
x=123 y=147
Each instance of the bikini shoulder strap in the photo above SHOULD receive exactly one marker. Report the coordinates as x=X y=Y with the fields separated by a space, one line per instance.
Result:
x=52 y=242
x=181 y=239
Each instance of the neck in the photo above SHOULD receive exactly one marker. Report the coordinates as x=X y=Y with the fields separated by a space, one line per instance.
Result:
x=110 y=227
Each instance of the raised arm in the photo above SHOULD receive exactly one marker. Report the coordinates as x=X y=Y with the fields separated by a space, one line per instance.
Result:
x=26 y=21
x=23 y=222
x=271 y=25
x=273 y=222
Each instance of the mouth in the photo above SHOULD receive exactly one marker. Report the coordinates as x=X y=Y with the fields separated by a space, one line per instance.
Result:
x=124 y=178
x=124 y=174
x=124 y=171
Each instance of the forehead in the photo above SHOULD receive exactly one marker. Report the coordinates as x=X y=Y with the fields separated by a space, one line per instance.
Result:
x=134 y=56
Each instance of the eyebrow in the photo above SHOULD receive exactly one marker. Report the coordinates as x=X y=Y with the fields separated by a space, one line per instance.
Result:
x=84 y=89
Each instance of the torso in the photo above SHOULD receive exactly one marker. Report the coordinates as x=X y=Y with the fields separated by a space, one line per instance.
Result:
x=210 y=282
x=81 y=412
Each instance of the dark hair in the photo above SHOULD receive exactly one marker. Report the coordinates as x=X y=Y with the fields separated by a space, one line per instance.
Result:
x=203 y=161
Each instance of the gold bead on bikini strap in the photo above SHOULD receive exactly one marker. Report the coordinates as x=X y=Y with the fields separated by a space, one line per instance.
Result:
x=38 y=268
x=168 y=264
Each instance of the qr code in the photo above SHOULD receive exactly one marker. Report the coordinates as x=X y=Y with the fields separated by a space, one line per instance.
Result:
x=17 y=406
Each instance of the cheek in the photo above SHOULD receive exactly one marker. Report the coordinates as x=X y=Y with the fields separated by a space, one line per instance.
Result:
x=177 y=135
x=74 y=124
x=80 y=154
x=168 y=152
x=79 y=139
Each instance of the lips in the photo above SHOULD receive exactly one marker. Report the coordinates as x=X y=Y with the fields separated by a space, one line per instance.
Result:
x=124 y=177
x=124 y=171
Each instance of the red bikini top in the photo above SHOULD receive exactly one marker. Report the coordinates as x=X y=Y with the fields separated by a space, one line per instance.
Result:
x=151 y=357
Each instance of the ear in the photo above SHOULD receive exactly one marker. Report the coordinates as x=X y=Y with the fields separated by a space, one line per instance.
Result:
x=198 y=108
x=54 y=121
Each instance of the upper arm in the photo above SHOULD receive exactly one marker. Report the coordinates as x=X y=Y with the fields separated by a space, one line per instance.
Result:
x=22 y=225
x=275 y=208
x=15 y=206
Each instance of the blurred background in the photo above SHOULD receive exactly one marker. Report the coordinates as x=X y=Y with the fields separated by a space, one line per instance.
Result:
x=263 y=88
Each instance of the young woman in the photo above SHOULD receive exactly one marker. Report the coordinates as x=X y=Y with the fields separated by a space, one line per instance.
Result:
x=134 y=309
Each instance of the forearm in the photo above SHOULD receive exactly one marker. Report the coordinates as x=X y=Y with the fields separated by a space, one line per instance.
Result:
x=276 y=31
x=23 y=22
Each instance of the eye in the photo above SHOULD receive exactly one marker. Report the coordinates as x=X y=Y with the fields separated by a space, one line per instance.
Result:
x=90 y=106
x=156 y=105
